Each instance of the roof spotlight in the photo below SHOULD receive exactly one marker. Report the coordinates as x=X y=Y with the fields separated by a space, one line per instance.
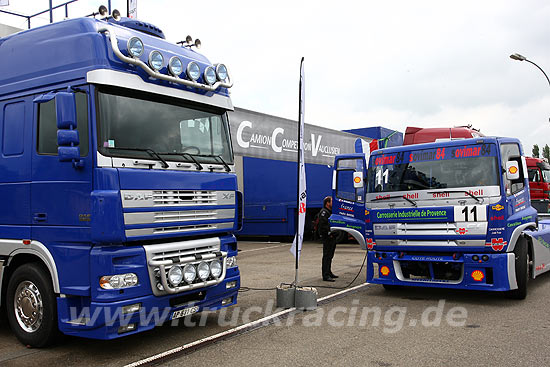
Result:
x=198 y=43
x=189 y=40
x=103 y=10
x=116 y=15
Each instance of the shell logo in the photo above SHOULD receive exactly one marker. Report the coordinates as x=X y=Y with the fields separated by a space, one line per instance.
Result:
x=497 y=207
x=385 y=271
x=357 y=180
x=513 y=170
x=478 y=275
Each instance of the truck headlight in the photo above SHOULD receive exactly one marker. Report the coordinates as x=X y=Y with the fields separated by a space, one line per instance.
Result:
x=216 y=268
x=118 y=281
x=135 y=47
x=156 y=60
x=189 y=273
x=193 y=71
x=221 y=72
x=204 y=270
x=175 y=66
x=210 y=75
x=175 y=275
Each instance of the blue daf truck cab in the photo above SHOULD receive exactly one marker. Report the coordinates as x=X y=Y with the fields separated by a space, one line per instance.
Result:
x=118 y=188
x=452 y=214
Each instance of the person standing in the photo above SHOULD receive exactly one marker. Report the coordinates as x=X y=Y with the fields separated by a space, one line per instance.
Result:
x=329 y=242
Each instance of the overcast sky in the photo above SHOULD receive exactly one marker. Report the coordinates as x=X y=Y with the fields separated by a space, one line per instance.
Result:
x=369 y=63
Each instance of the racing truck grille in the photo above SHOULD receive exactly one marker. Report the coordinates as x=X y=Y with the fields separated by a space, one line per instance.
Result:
x=201 y=257
x=184 y=198
x=456 y=232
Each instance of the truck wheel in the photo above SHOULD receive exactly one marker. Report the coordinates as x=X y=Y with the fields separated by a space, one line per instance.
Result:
x=522 y=271
x=341 y=236
x=31 y=306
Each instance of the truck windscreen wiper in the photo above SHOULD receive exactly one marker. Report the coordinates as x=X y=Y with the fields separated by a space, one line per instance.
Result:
x=191 y=157
x=149 y=151
x=456 y=191
x=227 y=168
x=396 y=197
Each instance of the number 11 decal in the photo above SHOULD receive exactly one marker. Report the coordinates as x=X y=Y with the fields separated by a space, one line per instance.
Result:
x=474 y=213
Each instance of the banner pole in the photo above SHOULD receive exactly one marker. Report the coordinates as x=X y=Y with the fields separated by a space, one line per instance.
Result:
x=298 y=171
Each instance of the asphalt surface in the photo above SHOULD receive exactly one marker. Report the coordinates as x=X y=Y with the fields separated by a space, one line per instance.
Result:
x=370 y=326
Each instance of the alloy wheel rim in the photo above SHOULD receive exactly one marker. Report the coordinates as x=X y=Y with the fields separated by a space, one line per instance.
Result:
x=29 y=308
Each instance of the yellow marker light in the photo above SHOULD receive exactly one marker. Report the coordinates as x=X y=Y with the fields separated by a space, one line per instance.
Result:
x=478 y=275
x=385 y=271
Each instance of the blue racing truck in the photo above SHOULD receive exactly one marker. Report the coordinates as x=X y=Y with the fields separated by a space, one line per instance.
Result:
x=453 y=214
x=118 y=188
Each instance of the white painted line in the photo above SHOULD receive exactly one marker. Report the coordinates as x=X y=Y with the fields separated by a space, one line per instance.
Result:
x=257 y=146
x=232 y=331
x=263 y=248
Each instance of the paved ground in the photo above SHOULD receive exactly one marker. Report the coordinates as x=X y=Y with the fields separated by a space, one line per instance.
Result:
x=371 y=327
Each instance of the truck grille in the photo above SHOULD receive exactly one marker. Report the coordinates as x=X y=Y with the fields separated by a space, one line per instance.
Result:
x=177 y=229
x=168 y=198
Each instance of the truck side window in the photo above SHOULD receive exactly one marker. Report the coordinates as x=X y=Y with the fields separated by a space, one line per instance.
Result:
x=510 y=152
x=344 y=180
x=47 y=126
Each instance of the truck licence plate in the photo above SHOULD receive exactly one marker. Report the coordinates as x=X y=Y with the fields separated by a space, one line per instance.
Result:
x=185 y=312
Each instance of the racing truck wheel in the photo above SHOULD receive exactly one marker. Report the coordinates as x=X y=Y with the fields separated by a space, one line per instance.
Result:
x=31 y=306
x=522 y=271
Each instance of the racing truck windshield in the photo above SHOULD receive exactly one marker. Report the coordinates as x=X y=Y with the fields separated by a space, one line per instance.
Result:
x=438 y=168
x=148 y=128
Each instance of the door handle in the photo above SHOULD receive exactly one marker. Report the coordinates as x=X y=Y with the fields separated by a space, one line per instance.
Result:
x=40 y=217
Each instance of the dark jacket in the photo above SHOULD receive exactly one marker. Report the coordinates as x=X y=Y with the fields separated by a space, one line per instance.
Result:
x=324 y=225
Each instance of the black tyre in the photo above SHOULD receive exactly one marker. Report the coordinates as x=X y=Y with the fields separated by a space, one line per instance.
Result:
x=340 y=236
x=31 y=306
x=522 y=271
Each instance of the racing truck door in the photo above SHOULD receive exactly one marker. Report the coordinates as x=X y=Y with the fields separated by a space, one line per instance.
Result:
x=348 y=196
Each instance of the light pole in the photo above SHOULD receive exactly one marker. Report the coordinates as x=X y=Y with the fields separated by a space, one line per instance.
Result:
x=519 y=57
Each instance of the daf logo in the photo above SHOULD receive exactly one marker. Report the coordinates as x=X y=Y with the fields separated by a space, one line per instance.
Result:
x=138 y=197
x=228 y=195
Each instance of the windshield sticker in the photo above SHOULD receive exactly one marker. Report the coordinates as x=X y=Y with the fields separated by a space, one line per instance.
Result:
x=435 y=154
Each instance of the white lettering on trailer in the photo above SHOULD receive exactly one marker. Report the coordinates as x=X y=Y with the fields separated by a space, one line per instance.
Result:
x=240 y=141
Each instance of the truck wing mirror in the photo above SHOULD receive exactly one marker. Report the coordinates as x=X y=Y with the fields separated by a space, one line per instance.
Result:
x=67 y=135
x=357 y=180
x=65 y=107
x=512 y=170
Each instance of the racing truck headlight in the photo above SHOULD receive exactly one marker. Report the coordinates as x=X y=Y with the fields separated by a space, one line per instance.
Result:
x=193 y=71
x=175 y=275
x=175 y=66
x=118 y=281
x=210 y=75
x=135 y=47
x=216 y=268
x=204 y=270
x=231 y=261
x=221 y=72
x=189 y=273
x=156 y=60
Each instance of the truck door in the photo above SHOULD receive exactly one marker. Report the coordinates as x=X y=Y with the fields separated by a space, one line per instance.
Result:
x=348 y=204
x=60 y=191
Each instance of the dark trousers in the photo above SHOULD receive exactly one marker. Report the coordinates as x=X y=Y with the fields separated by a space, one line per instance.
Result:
x=329 y=245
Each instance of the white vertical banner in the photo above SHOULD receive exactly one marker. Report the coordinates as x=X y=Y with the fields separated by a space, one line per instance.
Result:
x=132 y=9
x=4 y=2
x=302 y=192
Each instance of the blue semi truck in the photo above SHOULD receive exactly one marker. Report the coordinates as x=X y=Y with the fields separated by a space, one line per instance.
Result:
x=450 y=214
x=117 y=181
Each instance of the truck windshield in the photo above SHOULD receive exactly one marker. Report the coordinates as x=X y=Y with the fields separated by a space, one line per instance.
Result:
x=166 y=126
x=438 y=168
x=546 y=175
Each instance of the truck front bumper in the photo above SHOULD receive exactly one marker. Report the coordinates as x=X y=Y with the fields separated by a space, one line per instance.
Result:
x=110 y=320
x=489 y=272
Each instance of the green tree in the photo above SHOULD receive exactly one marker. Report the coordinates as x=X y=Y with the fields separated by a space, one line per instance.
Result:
x=546 y=152
x=536 y=151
